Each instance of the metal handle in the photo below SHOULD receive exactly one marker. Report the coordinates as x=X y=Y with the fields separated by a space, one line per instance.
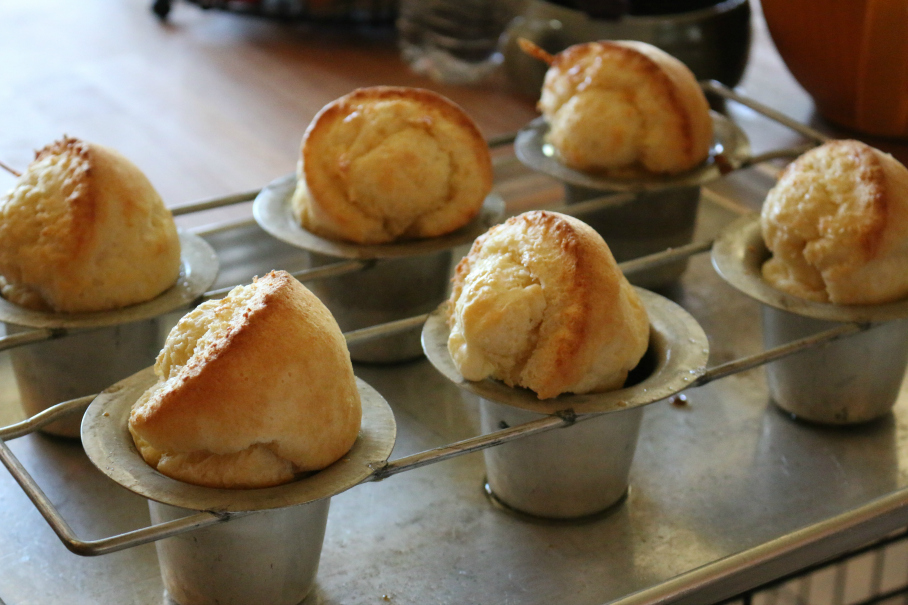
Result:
x=53 y=516
x=776 y=154
x=796 y=346
x=474 y=444
x=61 y=410
x=501 y=140
x=229 y=225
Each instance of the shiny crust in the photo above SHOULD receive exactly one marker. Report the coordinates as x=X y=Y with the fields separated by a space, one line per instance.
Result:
x=591 y=328
x=84 y=230
x=279 y=382
x=364 y=153
x=621 y=105
x=837 y=224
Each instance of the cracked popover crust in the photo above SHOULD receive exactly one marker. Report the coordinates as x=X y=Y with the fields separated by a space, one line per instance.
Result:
x=539 y=302
x=252 y=390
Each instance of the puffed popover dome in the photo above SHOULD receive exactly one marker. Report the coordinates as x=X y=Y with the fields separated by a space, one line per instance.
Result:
x=84 y=230
x=539 y=302
x=383 y=164
x=837 y=226
x=621 y=106
x=252 y=390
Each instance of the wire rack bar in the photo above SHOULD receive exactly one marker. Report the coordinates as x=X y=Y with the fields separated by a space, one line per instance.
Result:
x=591 y=205
x=61 y=410
x=778 y=154
x=726 y=92
x=332 y=270
x=665 y=257
x=392 y=327
x=214 y=202
x=215 y=228
x=501 y=140
x=474 y=444
x=753 y=361
x=11 y=341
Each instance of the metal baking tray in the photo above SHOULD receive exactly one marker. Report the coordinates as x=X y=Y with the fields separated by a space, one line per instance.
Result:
x=726 y=491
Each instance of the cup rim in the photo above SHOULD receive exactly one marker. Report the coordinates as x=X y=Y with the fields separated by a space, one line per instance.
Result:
x=729 y=141
x=110 y=447
x=273 y=212
x=198 y=270
x=738 y=256
x=679 y=343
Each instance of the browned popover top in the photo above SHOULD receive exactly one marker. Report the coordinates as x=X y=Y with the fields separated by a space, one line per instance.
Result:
x=625 y=105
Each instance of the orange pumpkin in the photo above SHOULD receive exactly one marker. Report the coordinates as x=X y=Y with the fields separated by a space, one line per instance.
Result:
x=850 y=55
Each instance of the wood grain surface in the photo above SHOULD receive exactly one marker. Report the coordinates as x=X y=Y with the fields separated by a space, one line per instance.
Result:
x=211 y=103
x=206 y=104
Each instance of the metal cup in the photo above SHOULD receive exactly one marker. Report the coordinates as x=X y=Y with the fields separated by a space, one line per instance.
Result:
x=268 y=547
x=266 y=557
x=391 y=289
x=78 y=365
x=581 y=469
x=848 y=381
x=565 y=473
x=651 y=222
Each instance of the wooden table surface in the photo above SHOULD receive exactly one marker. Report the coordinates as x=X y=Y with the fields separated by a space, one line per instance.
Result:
x=211 y=103
x=207 y=104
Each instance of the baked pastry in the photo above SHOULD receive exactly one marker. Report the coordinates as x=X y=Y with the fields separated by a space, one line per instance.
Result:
x=382 y=164
x=837 y=226
x=252 y=390
x=84 y=230
x=539 y=302
x=623 y=107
